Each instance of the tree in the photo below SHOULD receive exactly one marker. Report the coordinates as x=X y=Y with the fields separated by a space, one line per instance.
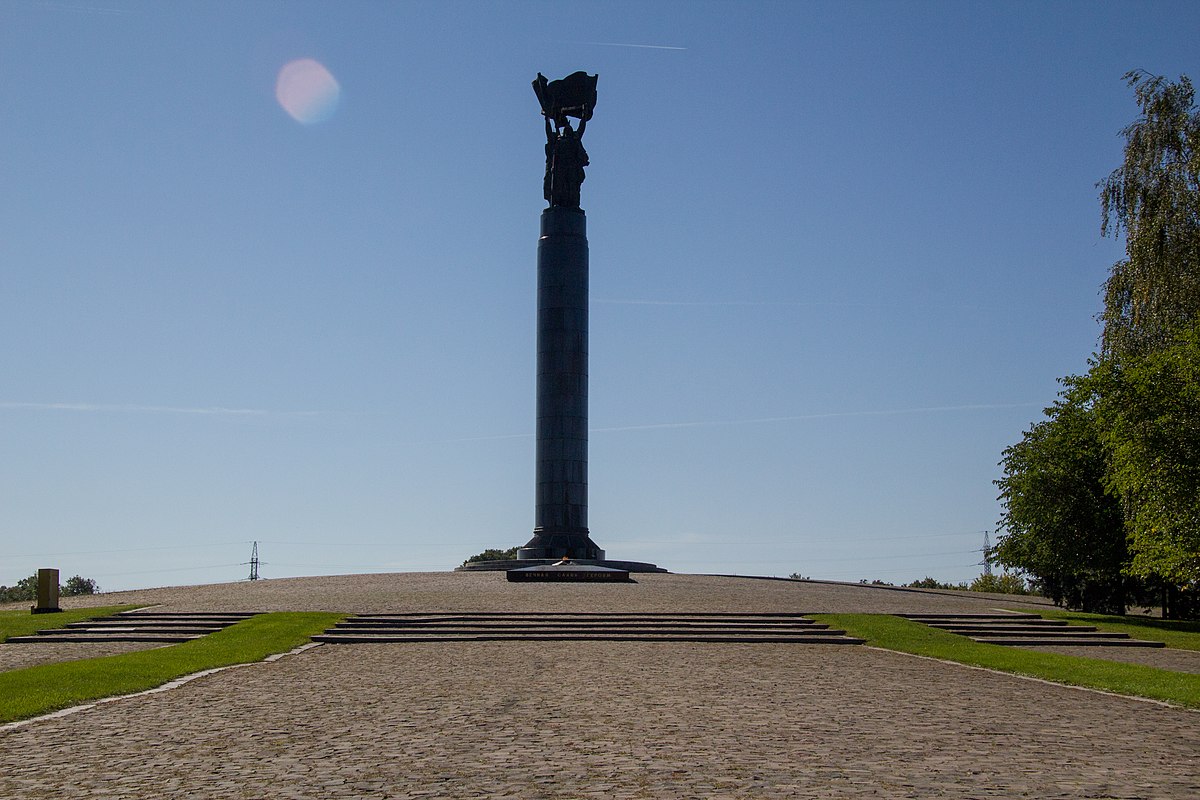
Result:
x=27 y=588
x=1149 y=416
x=932 y=583
x=1005 y=583
x=1103 y=497
x=1154 y=196
x=24 y=589
x=1147 y=379
x=1062 y=524
x=493 y=554
x=77 y=585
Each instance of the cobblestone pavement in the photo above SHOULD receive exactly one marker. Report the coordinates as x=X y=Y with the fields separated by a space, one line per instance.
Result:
x=17 y=656
x=475 y=591
x=601 y=719
x=618 y=720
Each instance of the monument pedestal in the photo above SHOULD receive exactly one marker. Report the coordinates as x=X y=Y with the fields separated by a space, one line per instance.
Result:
x=47 y=592
x=574 y=545
x=521 y=563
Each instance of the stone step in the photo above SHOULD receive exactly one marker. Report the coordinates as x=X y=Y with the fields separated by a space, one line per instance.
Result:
x=155 y=623
x=581 y=629
x=582 y=615
x=1064 y=634
x=1025 y=630
x=1070 y=642
x=162 y=627
x=217 y=621
x=425 y=625
x=186 y=615
x=924 y=618
x=588 y=626
x=114 y=629
x=835 y=637
x=1046 y=629
x=1002 y=624
x=76 y=638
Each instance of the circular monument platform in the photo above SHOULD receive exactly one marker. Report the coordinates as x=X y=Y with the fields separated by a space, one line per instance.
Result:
x=525 y=563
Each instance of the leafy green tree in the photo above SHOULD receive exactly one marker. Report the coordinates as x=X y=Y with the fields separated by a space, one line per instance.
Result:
x=1061 y=524
x=1102 y=498
x=1147 y=379
x=1149 y=415
x=24 y=589
x=1154 y=197
x=1005 y=583
x=932 y=583
x=493 y=554
x=77 y=585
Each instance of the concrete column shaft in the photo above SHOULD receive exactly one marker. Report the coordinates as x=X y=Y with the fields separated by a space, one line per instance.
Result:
x=562 y=372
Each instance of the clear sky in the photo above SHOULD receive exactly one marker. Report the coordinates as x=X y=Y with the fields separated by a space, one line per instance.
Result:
x=840 y=253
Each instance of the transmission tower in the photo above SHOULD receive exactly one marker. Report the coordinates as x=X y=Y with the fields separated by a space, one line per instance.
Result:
x=254 y=563
x=987 y=555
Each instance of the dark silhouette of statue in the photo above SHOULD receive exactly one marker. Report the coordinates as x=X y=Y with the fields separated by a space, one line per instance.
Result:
x=565 y=160
x=573 y=96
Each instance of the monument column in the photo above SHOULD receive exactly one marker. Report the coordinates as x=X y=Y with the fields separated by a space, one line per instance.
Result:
x=560 y=522
x=560 y=527
x=561 y=505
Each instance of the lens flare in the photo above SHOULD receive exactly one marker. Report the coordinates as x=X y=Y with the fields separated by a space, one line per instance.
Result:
x=307 y=91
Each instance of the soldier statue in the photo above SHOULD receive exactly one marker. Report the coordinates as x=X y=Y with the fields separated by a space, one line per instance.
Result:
x=565 y=160
x=573 y=96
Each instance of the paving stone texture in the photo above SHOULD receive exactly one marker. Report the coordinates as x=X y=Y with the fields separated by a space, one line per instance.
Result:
x=597 y=719
x=475 y=591
x=17 y=656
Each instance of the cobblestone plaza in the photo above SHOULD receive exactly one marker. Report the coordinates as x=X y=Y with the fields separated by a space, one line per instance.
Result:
x=612 y=719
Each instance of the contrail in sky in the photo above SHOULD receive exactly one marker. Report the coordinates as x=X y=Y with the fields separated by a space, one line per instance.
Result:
x=644 y=46
x=827 y=415
x=758 y=420
x=141 y=409
x=614 y=301
x=786 y=303
x=82 y=9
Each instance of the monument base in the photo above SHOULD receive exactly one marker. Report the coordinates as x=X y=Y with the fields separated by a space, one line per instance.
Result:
x=569 y=571
x=521 y=563
x=558 y=544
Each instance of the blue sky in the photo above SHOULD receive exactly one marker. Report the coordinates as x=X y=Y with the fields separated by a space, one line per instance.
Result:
x=840 y=253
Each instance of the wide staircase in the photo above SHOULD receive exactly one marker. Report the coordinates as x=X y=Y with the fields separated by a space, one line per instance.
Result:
x=136 y=626
x=1026 y=630
x=781 y=628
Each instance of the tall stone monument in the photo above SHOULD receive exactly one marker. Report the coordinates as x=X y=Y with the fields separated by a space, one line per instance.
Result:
x=560 y=530
x=560 y=522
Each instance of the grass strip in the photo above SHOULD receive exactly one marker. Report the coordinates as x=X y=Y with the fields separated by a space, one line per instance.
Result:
x=38 y=690
x=1180 y=634
x=23 y=623
x=906 y=636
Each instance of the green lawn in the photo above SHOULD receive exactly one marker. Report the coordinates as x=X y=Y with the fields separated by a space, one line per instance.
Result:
x=22 y=623
x=906 y=636
x=1180 y=634
x=37 y=690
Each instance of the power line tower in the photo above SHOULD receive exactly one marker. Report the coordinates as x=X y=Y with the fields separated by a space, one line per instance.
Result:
x=254 y=563
x=987 y=555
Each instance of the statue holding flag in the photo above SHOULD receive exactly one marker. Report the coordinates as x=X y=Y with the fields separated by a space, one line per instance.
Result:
x=573 y=96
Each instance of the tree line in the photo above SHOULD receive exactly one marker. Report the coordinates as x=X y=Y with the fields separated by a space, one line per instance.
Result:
x=27 y=588
x=1101 y=498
